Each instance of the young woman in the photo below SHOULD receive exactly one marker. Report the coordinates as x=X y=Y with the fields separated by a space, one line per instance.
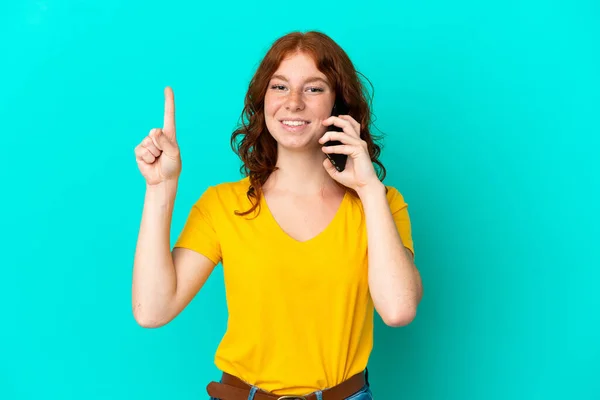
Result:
x=309 y=252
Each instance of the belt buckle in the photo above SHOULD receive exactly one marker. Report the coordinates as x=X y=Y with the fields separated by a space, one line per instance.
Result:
x=292 y=398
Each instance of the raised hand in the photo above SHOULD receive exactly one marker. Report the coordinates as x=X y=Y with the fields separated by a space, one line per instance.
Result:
x=359 y=171
x=158 y=156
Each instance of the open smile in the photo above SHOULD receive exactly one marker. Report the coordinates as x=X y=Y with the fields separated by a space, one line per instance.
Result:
x=294 y=125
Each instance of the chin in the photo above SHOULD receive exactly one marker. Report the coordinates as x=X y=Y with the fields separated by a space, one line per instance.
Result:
x=295 y=144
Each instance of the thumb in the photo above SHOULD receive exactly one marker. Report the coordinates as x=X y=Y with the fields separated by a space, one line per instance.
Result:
x=330 y=168
x=164 y=144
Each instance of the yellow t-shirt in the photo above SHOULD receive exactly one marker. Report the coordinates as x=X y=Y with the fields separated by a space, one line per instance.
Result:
x=300 y=313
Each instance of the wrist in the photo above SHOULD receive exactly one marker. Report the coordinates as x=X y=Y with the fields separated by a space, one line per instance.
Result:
x=373 y=189
x=163 y=192
x=162 y=186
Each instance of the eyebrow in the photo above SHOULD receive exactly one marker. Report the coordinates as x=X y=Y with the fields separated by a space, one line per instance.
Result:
x=311 y=79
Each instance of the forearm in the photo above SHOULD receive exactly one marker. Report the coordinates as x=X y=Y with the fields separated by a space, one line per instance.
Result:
x=394 y=281
x=154 y=278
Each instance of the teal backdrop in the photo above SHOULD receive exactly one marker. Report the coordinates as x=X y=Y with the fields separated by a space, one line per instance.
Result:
x=490 y=112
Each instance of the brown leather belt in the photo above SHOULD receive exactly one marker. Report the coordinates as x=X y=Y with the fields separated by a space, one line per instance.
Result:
x=233 y=388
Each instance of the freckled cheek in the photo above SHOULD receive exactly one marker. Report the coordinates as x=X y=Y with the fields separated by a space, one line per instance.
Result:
x=273 y=105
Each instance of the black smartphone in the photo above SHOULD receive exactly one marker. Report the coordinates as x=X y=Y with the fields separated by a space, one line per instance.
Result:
x=338 y=160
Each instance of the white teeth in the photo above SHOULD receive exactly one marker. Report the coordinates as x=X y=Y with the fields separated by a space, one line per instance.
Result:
x=294 y=123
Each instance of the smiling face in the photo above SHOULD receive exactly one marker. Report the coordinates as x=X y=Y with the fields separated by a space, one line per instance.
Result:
x=298 y=98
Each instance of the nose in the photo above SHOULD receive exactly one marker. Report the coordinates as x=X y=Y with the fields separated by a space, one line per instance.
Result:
x=294 y=102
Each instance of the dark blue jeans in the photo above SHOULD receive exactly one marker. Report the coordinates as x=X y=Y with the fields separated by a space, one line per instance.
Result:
x=363 y=394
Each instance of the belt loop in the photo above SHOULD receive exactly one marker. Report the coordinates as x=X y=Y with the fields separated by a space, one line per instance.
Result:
x=319 y=395
x=253 y=390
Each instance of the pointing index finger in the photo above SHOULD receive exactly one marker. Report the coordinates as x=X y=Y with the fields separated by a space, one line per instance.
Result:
x=169 y=119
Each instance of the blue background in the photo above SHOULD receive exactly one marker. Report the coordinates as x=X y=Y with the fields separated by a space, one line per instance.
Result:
x=491 y=115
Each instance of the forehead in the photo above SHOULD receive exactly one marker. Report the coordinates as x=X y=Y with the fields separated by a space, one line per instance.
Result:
x=299 y=66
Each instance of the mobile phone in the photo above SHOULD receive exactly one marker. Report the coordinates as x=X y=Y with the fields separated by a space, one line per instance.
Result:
x=338 y=160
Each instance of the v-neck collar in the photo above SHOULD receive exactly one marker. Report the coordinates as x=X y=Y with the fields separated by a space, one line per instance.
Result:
x=265 y=208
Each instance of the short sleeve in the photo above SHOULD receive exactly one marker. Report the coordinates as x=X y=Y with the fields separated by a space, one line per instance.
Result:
x=199 y=232
x=399 y=210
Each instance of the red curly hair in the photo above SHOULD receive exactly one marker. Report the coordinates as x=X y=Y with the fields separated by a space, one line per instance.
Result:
x=252 y=142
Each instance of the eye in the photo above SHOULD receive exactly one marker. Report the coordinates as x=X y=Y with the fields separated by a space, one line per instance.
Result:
x=278 y=87
x=315 y=89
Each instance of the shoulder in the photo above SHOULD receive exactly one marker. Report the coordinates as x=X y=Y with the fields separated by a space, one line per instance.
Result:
x=225 y=194
x=231 y=190
x=394 y=196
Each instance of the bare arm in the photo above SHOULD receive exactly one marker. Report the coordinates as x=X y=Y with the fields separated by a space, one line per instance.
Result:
x=163 y=282
x=394 y=281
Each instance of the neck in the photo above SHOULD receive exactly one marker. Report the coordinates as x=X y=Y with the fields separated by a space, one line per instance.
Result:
x=300 y=173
